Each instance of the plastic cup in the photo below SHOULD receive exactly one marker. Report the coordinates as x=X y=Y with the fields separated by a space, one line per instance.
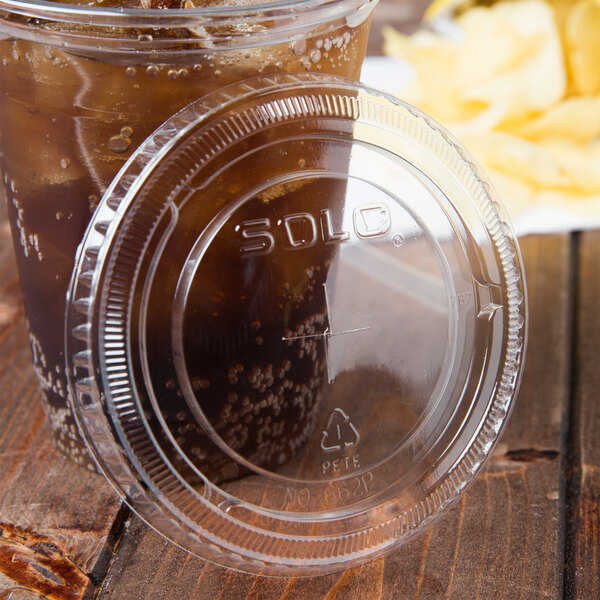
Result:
x=82 y=87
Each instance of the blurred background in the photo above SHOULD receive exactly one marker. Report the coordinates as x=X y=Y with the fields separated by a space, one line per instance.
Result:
x=518 y=82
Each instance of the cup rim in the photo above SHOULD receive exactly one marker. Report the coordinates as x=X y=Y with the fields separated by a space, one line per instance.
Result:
x=103 y=15
x=169 y=33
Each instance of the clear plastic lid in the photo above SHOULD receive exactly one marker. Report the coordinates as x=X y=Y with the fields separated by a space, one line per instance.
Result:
x=296 y=325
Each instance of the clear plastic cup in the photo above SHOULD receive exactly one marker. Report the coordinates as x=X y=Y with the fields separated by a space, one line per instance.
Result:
x=82 y=87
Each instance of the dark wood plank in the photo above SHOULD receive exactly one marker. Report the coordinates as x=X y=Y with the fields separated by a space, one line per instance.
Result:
x=503 y=540
x=57 y=521
x=583 y=543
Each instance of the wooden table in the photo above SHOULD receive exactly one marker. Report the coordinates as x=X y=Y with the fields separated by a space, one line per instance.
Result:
x=528 y=528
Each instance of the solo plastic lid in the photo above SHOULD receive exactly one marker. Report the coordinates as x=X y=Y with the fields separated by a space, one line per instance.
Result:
x=296 y=325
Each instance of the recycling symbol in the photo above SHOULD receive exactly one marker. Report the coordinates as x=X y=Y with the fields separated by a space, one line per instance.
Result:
x=340 y=432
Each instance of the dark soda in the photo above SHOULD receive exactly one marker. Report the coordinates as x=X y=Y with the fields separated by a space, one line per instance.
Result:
x=69 y=120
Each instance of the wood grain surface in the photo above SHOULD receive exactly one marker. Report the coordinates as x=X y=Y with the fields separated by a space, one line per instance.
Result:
x=583 y=491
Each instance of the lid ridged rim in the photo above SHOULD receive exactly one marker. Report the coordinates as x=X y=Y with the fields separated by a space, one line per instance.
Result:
x=350 y=549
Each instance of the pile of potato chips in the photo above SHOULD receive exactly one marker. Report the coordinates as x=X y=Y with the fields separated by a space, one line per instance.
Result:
x=518 y=82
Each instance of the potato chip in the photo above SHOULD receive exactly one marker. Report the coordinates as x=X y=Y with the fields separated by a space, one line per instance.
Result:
x=551 y=164
x=440 y=8
x=519 y=46
x=561 y=9
x=510 y=154
x=431 y=55
x=579 y=162
x=520 y=197
x=576 y=118
x=583 y=46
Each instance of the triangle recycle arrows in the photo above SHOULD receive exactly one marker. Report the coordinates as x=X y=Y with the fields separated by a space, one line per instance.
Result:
x=340 y=432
